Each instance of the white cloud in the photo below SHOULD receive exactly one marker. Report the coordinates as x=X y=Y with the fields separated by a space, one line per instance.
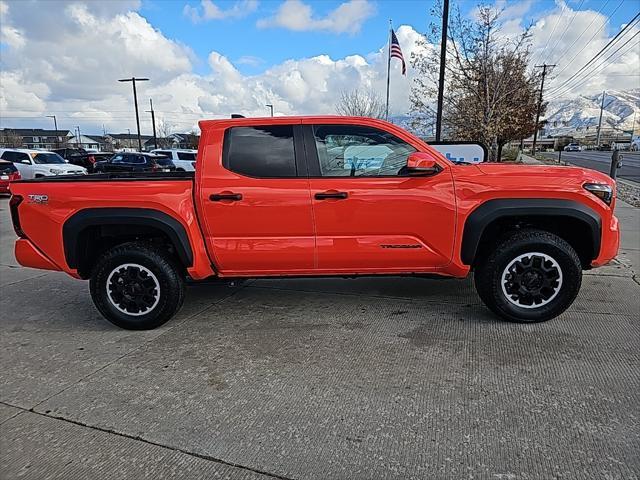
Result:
x=77 y=80
x=210 y=11
x=296 y=15
x=570 y=39
x=250 y=60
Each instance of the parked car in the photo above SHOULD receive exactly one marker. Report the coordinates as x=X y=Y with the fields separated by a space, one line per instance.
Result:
x=8 y=173
x=82 y=157
x=573 y=147
x=320 y=196
x=135 y=162
x=39 y=163
x=184 y=160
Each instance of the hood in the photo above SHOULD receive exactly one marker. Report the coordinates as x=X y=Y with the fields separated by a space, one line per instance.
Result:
x=62 y=166
x=559 y=173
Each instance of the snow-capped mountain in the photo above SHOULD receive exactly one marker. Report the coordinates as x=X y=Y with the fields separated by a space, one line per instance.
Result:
x=573 y=116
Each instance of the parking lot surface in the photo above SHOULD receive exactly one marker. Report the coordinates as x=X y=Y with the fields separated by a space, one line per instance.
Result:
x=321 y=378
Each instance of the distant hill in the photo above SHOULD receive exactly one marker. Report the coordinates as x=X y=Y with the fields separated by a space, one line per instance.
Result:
x=573 y=116
x=580 y=115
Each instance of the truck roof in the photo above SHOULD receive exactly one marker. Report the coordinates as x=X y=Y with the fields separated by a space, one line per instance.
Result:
x=294 y=119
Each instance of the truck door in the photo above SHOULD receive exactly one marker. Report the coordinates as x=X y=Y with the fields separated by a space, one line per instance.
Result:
x=254 y=200
x=369 y=215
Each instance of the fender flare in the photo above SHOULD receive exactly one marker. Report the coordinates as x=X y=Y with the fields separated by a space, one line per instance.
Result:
x=124 y=216
x=492 y=210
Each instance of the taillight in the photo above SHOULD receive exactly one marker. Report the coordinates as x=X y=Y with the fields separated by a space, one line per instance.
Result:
x=15 y=201
x=91 y=159
x=15 y=176
x=193 y=164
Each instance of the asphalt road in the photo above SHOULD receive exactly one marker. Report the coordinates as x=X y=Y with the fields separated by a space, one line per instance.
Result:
x=601 y=161
x=387 y=378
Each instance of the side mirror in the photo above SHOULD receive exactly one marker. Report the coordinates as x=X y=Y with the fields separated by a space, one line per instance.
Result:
x=26 y=162
x=422 y=164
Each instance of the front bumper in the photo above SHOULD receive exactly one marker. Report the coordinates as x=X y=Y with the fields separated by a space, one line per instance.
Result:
x=609 y=243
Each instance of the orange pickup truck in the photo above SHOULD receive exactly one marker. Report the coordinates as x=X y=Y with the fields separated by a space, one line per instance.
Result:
x=319 y=196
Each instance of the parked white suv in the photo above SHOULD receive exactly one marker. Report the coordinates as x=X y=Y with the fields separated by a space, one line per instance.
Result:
x=39 y=163
x=183 y=159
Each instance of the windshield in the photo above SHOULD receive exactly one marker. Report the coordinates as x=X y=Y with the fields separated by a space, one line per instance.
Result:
x=47 y=158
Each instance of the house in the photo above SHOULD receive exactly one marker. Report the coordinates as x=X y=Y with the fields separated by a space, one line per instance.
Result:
x=89 y=142
x=184 y=140
x=34 y=138
x=128 y=141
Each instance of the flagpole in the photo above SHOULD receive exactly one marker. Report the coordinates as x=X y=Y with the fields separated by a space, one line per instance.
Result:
x=386 y=117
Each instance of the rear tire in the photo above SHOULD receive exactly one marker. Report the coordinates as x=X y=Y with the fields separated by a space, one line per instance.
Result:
x=137 y=286
x=531 y=276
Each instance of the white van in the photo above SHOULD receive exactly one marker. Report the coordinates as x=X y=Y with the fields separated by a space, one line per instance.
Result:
x=183 y=159
x=39 y=163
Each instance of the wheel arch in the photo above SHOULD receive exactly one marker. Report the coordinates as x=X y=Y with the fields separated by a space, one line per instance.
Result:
x=569 y=219
x=123 y=223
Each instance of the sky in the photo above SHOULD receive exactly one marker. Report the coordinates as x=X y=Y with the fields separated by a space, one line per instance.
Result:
x=208 y=58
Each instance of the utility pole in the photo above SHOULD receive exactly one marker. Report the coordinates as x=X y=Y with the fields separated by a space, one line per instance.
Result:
x=270 y=105
x=604 y=94
x=133 y=80
x=535 y=133
x=79 y=139
x=55 y=125
x=153 y=123
x=443 y=59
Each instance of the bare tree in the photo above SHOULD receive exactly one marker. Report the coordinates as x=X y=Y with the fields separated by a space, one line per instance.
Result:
x=360 y=103
x=163 y=130
x=9 y=138
x=490 y=95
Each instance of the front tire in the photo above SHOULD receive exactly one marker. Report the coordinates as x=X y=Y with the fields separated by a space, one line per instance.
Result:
x=137 y=286
x=531 y=276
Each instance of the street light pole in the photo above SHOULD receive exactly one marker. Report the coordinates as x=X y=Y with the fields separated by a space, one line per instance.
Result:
x=271 y=107
x=79 y=140
x=153 y=122
x=133 y=80
x=443 y=60
x=55 y=125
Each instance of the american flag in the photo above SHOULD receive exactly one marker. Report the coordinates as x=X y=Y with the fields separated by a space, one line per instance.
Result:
x=396 y=51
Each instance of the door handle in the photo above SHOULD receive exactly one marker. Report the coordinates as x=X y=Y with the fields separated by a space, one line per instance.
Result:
x=327 y=195
x=217 y=197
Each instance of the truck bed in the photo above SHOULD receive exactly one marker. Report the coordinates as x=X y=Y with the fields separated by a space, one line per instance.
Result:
x=48 y=203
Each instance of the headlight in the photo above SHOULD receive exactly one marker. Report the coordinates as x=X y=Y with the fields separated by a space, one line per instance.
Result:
x=600 y=190
x=56 y=171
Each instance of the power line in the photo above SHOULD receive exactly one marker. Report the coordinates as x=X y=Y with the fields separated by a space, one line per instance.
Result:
x=595 y=57
x=587 y=28
x=564 y=6
x=598 y=68
x=611 y=42
x=564 y=31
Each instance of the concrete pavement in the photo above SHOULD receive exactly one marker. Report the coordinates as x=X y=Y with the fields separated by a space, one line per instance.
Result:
x=367 y=378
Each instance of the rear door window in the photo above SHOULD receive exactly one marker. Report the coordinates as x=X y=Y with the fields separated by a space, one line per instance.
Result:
x=15 y=157
x=260 y=151
x=186 y=156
